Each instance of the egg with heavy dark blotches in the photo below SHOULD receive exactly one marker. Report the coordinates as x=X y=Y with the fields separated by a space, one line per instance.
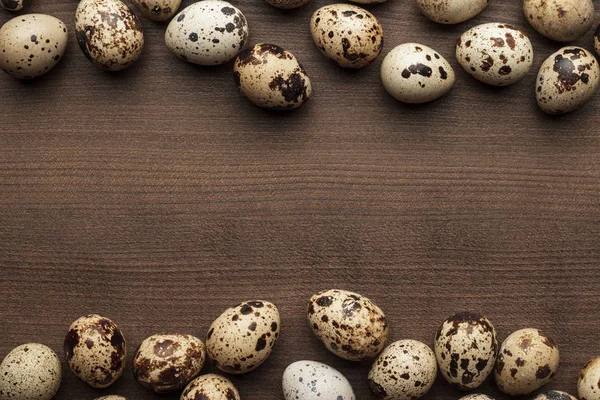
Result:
x=555 y=395
x=287 y=4
x=567 y=80
x=168 y=362
x=527 y=360
x=350 y=325
x=95 y=350
x=12 y=5
x=272 y=77
x=208 y=32
x=311 y=380
x=210 y=387
x=476 y=396
x=157 y=10
x=588 y=385
x=466 y=349
x=242 y=338
x=451 y=11
x=560 y=20
x=349 y=35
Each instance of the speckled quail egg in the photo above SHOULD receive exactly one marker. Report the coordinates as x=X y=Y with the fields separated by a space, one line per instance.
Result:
x=168 y=362
x=157 y=10
x=588 y=385
x=311 y=380
x=528 y=359
x=287 y=4
x=567 y=80
x=109 y=33
x=451 y=11
x=350 y=325
x=560 y=20
x=497 y=54
x=272 y=77
x=30 y=371
x=597 y=40
x=555 y=395
x=112 y=397
x=95 y=350
x=210 y=387
x=32 y=45
x=349 y=35
x=242 y=338
x=208 y=32
x=476 y=396
x=12 y=5
x=414 y=73
x=466 y=350
x=405 y=370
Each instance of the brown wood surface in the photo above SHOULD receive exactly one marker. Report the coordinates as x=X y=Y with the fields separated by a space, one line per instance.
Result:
x=159 y=197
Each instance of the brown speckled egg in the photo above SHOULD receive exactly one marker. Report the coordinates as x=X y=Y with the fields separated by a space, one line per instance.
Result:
x=272 y=77
x=167 y=363
x=32 y=45
x=476 y=397
x=157 y=10
x=95 y=350
x=451 y=11
x=242 y=338
x=560 y=20
x=12 y=5
x=287 y=4
x=112 y=397
x=405 y=370
x=349 y=35
x=497 y=54
x=109 y=33
x=210 y=387
x=466 y=350
x=528 y=359
x=555 y=395
x=350 y=325
x=30 y=371
x=588 y=385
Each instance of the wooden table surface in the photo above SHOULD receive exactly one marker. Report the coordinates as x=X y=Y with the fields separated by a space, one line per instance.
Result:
x=159 y=197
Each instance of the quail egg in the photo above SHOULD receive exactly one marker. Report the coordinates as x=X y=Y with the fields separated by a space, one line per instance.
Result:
x=111 y=397
x=588 y=385
x=560 y=20
x=554 y=395
x=451 y=11
x=12 y=5
x=347 y=34
x=528 y=359
x=210 y=387
x=157 y=10
x=287 y=4
x=350 y=325
x=567 y=80
x=476 y=397
x=311 y=380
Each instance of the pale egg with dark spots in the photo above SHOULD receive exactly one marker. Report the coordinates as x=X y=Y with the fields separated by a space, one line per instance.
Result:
x=12 y=5
x=157 y=10
x=210 y=387
x=560 y=20
x=451 y=11
x=112 y=397
x=311 y=380
x=588 y=385
x=555 y=395
x=476 y=396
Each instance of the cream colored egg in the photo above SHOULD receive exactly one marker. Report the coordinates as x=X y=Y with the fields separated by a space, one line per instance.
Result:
x=451 y=11
x=528 y=359
x=287 y=4
x=597 y=40
x=560 y=20
x=311 y=380
x=588 y=385
x=12 y=5
x=414 y=73
x=210 y=387
x=31 y=45
x=476 y=397
x=157 y=10
x=567 y=80
x=349 y=35
x=555 y=395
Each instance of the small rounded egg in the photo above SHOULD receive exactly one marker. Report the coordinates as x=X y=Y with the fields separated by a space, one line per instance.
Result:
x=350 y=325
x=414 y=73
x=451 y=11
x=311 y=380
x=210 y=387
x=287 y=4
x=112 y=397
x=476 y=396
x=242 y=338
x=349 y=35
x=588 y=385
x=495 y=53
x=272 y=77
x=32 y=45
x=95 y=350
x=560 y=20
x=157 y=10
x=168 y=362
x=209 y=32
x=528 y=359
x=554 y=395
x=405 y=370
x=12 y=5
x=597 y=40
x=30 y=371
x=567 y=80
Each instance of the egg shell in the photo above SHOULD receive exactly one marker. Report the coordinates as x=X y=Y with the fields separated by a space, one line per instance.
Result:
x=349 y=35
x=208 y=32
x=109 y=33
x=112 y=397
x=311 y=380
x=528 y=359
x=32 y=45
x=476 y=397
x=242 y=338
x=95 y=350
x=405 y=370
x=414 y=73
x=466 y=348
x=30 y=371
x=567 y=80
x=560 y=20
x=588 y=385
x=287 y=4
x=272 y=77
x=12 y=5
x=210 y=387
x=168 y=362
x=157 y=10
x=554 y=395
x=350 y=325
x=497 y=54
x=597 y=40
x=451 y=11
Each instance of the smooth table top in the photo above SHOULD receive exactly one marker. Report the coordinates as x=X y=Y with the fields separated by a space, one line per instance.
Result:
x=159 y=197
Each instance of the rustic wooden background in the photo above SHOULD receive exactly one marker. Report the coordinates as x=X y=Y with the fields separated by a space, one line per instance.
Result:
x=159 y=197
